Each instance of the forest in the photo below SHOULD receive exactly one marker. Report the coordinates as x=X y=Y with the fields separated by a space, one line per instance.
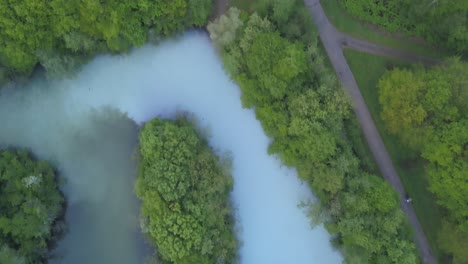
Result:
x=275 y=58
x=32 y=208
x=441 y=23
x=427 y=110
x=184 y=188
x=59 y=35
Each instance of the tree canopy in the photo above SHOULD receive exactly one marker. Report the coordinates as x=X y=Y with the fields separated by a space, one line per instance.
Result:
x=427 y=109
x=30 y=203
x=282 y=75
x=31 y=31
x=185 y=189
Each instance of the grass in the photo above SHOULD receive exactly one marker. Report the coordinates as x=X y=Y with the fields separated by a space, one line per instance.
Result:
x=346 y=23
x=367 y=70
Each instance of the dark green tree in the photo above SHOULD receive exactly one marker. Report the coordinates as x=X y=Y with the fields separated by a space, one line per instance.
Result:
x=185 y=189
x=30 y=203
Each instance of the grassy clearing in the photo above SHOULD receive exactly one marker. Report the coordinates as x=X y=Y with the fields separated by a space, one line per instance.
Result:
x=346 y=23
x=407 y=162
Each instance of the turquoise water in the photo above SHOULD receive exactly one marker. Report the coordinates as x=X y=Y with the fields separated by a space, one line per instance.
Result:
x=87 y=126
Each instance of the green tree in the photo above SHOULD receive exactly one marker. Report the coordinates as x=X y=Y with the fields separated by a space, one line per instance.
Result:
x=414 y=103
x=372 y=224
x=283 y=76
x=24 y=28
x=272 y=63
x=30 y=205
x=223 y=31
x=279 y=11
x=453 y=241
x=400 y=93
x=199 y=12
x=184 y=188
x=448 y=169
x=66 y=29
x=429 y=107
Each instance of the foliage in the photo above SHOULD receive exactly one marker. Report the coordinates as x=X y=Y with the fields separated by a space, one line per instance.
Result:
x=429 y=107
x=448 y=169
x=443 y=23
x=271 y=64
x=80 y=28
x=402 y=108
x=407 y=111
x=30 y=205
x=223 y=31
x=407 y=161
x=454 y=242
x=290 y=18
x=184 y=188
x=302 y=107
x=57 y=65
x=415 y=103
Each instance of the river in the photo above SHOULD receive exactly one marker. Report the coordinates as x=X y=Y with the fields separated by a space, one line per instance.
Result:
x=87 y=127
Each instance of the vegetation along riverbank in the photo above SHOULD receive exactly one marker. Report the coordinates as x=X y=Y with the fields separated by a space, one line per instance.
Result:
x=275 y=57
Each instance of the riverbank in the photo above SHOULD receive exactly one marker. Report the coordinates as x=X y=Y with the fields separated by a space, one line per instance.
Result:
x=292 y=109
x=92 y=143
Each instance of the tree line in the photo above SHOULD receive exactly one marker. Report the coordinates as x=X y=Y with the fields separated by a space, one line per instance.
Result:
x=275 y=58
x=58 y=34
x=428 y=110
x=184 y=188
x=442 y=23
x=31 y=207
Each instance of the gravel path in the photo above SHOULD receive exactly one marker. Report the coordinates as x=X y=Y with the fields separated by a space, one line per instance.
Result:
x=332 y=41
x=369 y=47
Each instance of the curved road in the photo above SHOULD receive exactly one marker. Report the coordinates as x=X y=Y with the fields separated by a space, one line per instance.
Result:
x=332 y=41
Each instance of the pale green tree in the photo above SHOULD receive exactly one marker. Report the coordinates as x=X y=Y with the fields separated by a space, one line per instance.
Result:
x=224 y=29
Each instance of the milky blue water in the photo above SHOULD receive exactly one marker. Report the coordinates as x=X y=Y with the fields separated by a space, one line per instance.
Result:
x=87 y=126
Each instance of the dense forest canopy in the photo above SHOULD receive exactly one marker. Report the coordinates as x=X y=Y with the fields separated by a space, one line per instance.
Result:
x=443 y=23
x=58 y=33
x=275 y=58
x=428 y=110
x=30 y=203
x=185 y=189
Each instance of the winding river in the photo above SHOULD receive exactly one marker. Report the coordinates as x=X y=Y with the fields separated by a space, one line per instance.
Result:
x=87 y=127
